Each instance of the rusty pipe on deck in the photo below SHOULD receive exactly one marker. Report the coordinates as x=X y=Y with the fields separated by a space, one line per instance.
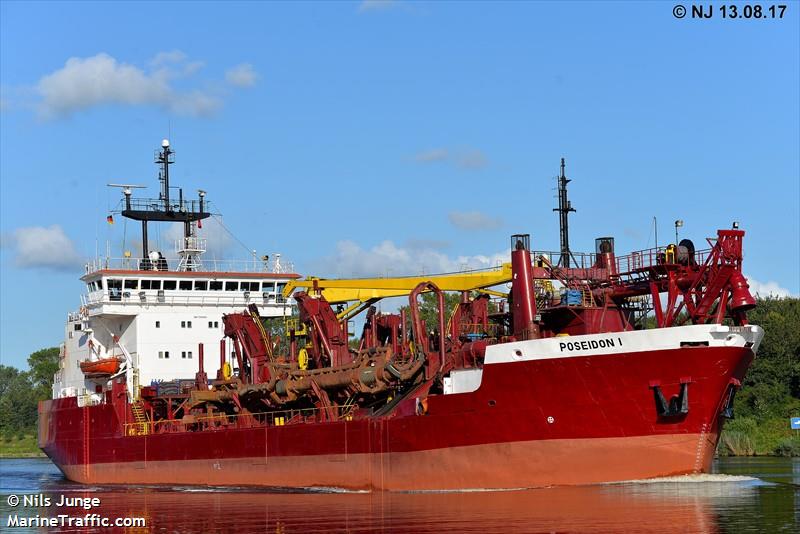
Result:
x=201 y=378
x=417 y=324
x=221 y=371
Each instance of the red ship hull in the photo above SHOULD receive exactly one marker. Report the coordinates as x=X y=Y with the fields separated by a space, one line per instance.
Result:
x=555 y=421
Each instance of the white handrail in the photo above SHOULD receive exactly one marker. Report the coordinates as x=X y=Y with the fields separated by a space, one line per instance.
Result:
x=153 y=297
x=275 y=265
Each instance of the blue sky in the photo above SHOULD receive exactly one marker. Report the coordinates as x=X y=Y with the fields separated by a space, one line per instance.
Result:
x=375 y=137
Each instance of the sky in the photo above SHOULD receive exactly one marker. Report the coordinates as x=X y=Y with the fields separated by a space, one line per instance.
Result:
x=389 y=137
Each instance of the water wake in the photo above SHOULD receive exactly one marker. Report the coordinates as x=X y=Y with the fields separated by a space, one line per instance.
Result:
x=700 y=478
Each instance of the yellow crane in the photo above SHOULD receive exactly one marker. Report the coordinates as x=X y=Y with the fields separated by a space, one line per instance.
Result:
x=361 y=292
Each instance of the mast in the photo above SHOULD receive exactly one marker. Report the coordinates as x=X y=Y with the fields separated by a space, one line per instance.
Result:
x=563 y=209
x=188 y=212
x=164 y=160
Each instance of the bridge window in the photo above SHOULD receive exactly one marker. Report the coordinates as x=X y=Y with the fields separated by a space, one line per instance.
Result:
x=163 y=355
x=268 y=286
x=215 y=285
x=151 y=284
x=185 y=285
x=131 y=284
x=158 y=324
x=231 y=286
x=100 y=284
x=200 y=285
x=249 y=286
x=115 y=289
x=170 y=284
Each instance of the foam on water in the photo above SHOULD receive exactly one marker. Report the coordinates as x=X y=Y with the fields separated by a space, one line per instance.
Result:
x=700 y=478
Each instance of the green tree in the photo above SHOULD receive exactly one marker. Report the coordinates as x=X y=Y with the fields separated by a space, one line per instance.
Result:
x=771 y=390
x=18 y=401
x=43 y=365
x=774 y=378
x=20 y=391
x=429 y=309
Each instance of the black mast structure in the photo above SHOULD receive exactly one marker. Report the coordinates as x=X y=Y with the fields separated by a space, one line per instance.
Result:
x=162 y=209
x=563 y=209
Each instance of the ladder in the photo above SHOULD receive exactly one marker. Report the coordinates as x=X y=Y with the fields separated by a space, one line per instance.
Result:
x=138 y=412
x=140 y=426
x=587 y=298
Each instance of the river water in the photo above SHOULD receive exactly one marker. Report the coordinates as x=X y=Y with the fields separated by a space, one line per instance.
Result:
x=743 y=495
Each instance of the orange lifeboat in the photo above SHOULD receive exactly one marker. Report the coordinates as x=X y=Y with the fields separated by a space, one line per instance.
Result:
x=105 y=366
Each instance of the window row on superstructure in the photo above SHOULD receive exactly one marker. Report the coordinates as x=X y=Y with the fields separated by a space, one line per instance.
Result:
x=164 y=355
x=186 y=285
x=188 y=324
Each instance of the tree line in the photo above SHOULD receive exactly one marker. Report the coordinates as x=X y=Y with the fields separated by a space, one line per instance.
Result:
x=21 y=391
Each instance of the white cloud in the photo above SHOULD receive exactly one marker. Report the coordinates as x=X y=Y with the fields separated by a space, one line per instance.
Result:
x=388 y=259
x=474 y=220
x=470 y=158
x=196 y=103
x=434 y=154
x=241 y=75
x=376 y=5
x=43 y=247
x=164 y=58
x=99 y=80
x=767 y=289
x=174 y=64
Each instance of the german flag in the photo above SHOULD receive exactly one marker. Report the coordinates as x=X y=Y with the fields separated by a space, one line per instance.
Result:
x=110 y=219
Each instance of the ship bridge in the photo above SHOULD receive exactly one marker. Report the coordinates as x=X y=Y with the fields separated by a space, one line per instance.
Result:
x=148 y=312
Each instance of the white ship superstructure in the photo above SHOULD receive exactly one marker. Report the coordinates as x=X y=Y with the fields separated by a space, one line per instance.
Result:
x=146 y=318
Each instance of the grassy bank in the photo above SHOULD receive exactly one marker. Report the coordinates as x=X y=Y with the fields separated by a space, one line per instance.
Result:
x=746 y=436
x=21 y=446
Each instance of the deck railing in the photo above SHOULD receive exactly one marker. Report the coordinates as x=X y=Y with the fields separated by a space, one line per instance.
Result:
x=645 y=259
x=179 y=298
x=276 y=265
x=250 y=420
x=635 y=261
